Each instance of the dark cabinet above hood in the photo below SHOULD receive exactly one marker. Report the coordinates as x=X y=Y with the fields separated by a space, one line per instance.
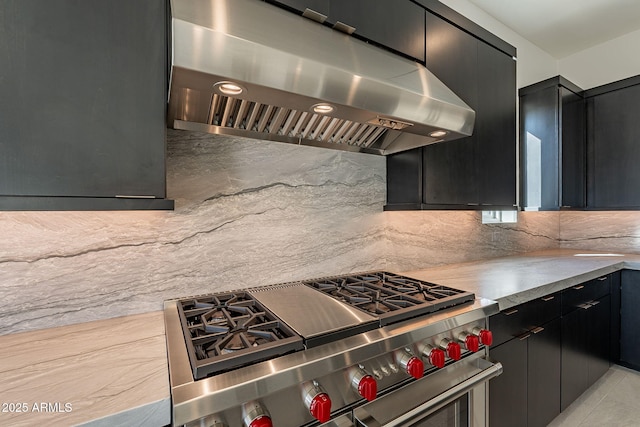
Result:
x=294 y=80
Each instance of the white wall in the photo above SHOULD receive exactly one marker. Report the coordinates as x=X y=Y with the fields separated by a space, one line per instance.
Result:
x=608 y=62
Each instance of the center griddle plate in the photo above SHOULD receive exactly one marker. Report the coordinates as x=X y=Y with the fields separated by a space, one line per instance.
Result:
x=317 y=317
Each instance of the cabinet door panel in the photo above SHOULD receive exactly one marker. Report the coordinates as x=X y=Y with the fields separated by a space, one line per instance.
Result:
x=630 y=319
x=508 y=391
x=575 y=362
x=613 y=132
x=88 y=95
x=321 y=6
x=450 y=172
x=539 y=149
x=543 y=385
x=399 y=26
x=573 y=149
x=496 y=126
x=599 y=334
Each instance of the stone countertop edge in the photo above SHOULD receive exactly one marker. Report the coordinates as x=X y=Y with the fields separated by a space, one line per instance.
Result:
x=520 y=278
x=110 y=372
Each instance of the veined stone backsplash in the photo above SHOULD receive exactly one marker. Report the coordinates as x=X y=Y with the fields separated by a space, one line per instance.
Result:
x=610 y=231
x=424 y=239
x=248 y=213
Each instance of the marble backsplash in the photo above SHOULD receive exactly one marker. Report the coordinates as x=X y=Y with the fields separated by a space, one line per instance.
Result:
x=248 y=213
x=610 y=231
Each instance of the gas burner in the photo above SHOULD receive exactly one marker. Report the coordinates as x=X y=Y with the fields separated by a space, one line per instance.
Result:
x=229 y=330
x=390 y=296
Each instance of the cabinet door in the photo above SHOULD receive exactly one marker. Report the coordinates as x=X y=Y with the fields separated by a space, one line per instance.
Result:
x=612 y=137
x=630 y=319
x=321 y=6
x=398 y=25
x=496 y=126
x=585 y=347
x=543 y=379
x=508 y=391
x=539 y=149
x=599 y=333
x=573 y=152
x=575 y=362
x=450 y=175
x=87 y=83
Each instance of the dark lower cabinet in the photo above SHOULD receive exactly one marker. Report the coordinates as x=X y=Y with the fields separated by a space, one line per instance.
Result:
x=543 y=380
x=527 y=393
x=585 y=347
x=630 y=319
x=508 y=391
x=574 y=361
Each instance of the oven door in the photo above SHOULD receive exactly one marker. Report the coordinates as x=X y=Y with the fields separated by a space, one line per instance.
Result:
x=454 y=396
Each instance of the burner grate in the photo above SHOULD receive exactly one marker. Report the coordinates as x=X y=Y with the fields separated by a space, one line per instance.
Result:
x=390 y=296
x=229 y=330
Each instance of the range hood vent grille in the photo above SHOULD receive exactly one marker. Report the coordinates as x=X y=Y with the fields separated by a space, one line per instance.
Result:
x=234 y=113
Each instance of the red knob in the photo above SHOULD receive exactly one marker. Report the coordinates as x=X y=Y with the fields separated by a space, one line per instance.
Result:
x=263 y=421
x=320 y=407
x=368 y=387
x=415 y=367
x=454 y=351
x=486 y=337
x=472 y=343
x=436 y=358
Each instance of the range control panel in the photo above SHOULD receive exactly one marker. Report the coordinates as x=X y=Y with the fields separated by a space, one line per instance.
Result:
x=315 y=401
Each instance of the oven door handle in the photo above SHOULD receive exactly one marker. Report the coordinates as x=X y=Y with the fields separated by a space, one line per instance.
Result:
x=376 y=413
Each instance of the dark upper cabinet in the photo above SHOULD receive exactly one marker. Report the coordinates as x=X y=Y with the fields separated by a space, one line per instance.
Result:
x=613 y=130
x=450 y=176
x=397 y=25
x=85 y=127
x=496 y=127
x=475 y=172
x=320 y=6
x=552 y=145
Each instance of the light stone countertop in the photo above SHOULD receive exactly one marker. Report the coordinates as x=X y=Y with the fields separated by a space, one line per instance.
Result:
x=104 y=373
x=114 y=372
x=517 y=279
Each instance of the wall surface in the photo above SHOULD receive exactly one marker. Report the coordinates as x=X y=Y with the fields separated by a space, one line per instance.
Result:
x=608 y=62
x=248 y=213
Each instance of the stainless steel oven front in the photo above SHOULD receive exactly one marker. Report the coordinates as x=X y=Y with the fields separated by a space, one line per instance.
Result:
x=452 y=397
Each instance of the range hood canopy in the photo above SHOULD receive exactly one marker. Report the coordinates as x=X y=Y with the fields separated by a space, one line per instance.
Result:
x=248 y=68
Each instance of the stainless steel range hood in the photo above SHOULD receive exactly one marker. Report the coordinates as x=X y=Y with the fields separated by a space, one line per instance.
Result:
x=284 y=66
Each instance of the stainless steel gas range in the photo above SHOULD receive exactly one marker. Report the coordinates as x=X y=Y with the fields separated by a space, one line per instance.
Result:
x=368 y=349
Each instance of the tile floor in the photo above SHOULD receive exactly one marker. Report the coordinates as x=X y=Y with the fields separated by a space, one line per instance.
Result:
x=613 y=401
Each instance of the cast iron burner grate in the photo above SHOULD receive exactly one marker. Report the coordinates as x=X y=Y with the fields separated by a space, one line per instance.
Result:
x=229 y=330
x=390 y=297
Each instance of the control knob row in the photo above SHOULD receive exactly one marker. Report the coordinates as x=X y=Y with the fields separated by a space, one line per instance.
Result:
x=318 y=402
